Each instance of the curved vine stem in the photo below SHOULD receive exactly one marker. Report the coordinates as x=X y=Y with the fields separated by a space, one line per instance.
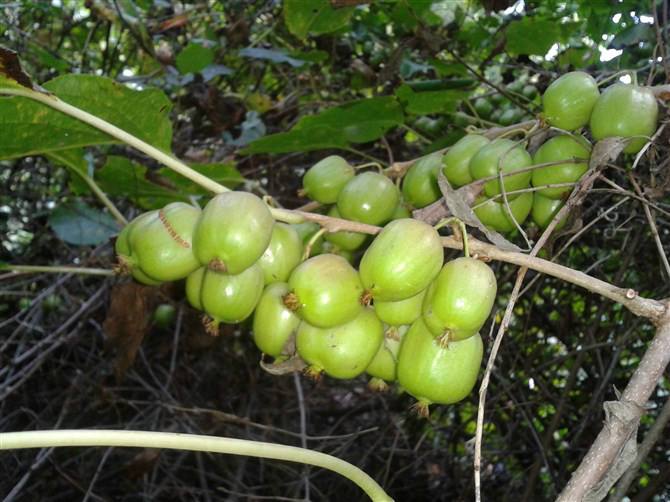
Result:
x=39 y=269
x=173 y=163
x=458 y=228
x=192 y=442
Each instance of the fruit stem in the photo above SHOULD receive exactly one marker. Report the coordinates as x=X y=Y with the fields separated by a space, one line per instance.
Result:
x=370 y=164
x=458 y=227
x=192 y=442
x=378 y=385
x=36 y=269
x=311 y=242
x=632 y=74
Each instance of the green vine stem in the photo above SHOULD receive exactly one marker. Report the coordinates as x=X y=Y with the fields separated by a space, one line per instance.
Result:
x=459 y=228
x=97 y=191
x=312 y=241
x=192 y=442
x=153 y=152
x=38 y=269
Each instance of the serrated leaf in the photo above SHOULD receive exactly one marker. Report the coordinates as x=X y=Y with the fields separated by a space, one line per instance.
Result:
x=274 y=55
x=38 y=129
x=315 y=17
x=194 y=58
x=79 y=224
x=532 y=36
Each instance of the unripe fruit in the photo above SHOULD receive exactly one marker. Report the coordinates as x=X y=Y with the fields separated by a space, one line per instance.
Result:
x=402 y=260
x=349 y=241
x=483 y=107
x=324 y=180
x=157 y=246
x=435 y=374
x=626 y=111
x=556 y=149
x=569 y=100
x=510 y=116
x=529 y=90
x=325 y=291
x=401 y=312
x=52 y=303
x=282 y=254
x=544 y=210
x=164 y=315
x=274 y=324
x=495 y=215
x=504 y=155
x=233 y=232
x=369 y=198
x=342 y=351
x=225 y=298
x=460 y=300
x=457 y=160
x=383 y=366
x=419 y=186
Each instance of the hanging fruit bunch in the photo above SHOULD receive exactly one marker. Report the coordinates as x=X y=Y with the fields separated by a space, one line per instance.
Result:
x=348 y=304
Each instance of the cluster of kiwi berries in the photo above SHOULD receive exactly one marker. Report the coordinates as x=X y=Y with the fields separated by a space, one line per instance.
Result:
x=403 y=315
x=570 y=103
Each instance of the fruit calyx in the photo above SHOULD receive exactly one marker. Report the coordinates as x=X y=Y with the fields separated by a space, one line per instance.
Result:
x=443 y=339
x=378 y=385
x=392 y=333
x=217 y=265
x=123 y=265
x=211 y=325
x=421 y=408
x=291 y=301
x=314 y=372
x=366 y=298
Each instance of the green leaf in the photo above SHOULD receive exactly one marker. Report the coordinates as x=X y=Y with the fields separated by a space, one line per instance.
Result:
x=532 y=36
x=274 y=55
x=633 y=35
x=357 y=122
x=38 y=129
x=79 y=224
x=194 y=58
x=315 y=17
x=224 y=173
x=428 y=102
x=296 y=140
x=122 y=177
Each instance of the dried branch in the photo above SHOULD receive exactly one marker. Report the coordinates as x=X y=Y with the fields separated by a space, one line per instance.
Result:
x=652 y=437
x=622 y=419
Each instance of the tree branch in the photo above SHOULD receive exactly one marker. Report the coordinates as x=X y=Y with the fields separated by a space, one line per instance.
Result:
x=618 y=430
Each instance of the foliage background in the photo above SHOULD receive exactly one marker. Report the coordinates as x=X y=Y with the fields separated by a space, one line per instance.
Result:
x=253 y=93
